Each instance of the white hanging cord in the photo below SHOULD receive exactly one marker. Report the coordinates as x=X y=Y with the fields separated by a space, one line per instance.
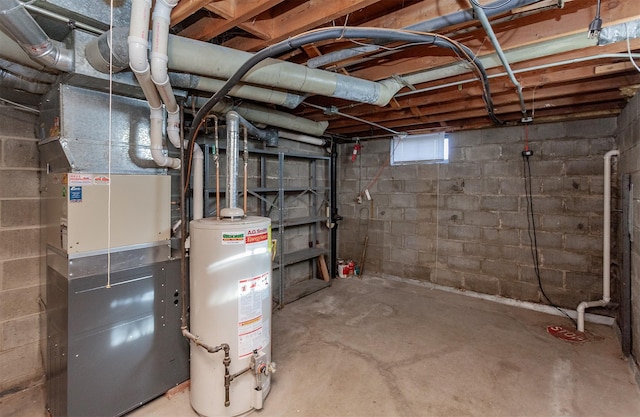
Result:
x=629 y=49
x=109 y=151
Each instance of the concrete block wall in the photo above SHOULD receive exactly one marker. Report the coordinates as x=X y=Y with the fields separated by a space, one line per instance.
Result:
x=464 y=224
x=629 y=138
x=21 y=363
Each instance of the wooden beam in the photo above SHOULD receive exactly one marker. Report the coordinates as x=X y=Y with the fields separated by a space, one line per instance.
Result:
x=186 y=8
x=302 y=17
x=228 y=14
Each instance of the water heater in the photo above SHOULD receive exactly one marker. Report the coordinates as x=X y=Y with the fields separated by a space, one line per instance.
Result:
x=230 y=303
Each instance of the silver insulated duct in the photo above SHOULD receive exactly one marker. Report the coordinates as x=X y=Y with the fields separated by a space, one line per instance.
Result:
x=16 y=22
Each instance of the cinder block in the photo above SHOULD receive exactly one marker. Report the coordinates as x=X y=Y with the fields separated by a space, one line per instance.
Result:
x=389 y=214
x=19 y=243
x=500 y=236
x=447 y=278
x=503 y=270
x=545 y=204
x=19 y=183
x=420 y=243
x=402 y=200
x=20 y=273
x=581 y=243
x=584 y=204
x=417 y=272
x=499 y=202
x=499 y=169
x=460 y=169
x=482 y=250
x=565 y=223
x=452 y=186
x=481 y=218
x=19 y=302
x=601 y=145
x=389 y=186
x=591 y=283
x=592 y=128
x=463 y=264
x=568 y=261
x=20 y=153
x=449 y=217
x=566 y=148
x=513 y=220
x=427 y=258
x=518 y=254
x=20 y=366
x=482 y=186
x=403 y=172
x=427 y=230
x=483 y=152
x=420 y=185
x=464 y=232
x=16 y=213
x=482 y=284
x=462 y=202
x=544 y=239
x=403 y=228
x=419 y=215
x=564 y=298
x=522 y=291
x=17 y=123
x=449 y=247
x=584 y=167
x=21 y=331
x=548 y=277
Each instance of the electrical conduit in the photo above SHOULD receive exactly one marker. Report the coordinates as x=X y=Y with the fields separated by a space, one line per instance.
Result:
x=606 y=245
x=482 y=17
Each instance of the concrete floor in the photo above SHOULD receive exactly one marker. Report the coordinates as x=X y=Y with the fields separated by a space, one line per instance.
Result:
x=379 y=347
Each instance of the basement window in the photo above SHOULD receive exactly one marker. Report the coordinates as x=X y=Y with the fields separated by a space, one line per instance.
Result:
x=416 y=149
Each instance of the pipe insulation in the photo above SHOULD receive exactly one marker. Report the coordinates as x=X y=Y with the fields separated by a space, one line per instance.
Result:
x=335 y=33
x=484 y=21
x=259 y=114
x=97 y=53
x=606 y=245
x=431 y=25
x=16 y=22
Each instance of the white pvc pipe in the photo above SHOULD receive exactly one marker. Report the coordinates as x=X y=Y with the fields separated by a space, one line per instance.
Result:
x=311 y=140
x=138 y=44
x=606 y=245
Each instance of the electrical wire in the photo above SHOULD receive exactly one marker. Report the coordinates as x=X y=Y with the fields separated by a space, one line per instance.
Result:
x=629 y=48
x=334 y=33
x=495 y=6
x=531 y=229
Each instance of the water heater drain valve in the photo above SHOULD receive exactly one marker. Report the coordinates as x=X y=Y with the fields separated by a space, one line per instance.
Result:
x=260 y=367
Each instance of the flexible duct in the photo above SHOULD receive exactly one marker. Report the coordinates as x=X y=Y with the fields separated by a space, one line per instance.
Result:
x=250 y=92
x=606 y=245
x=258 y=114
x=16 y=22
x=432 y=25
x=11 y=81
x=482 y=17
x=302 y=138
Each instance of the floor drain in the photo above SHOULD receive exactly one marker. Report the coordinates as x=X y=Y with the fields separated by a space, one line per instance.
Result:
x=568 y=335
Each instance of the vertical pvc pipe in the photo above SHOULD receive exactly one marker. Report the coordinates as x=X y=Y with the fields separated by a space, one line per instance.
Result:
x=606 y=245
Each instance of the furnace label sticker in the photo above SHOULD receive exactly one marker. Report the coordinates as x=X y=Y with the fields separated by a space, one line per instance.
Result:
x=101 y=180
x=80 y=179
x=250 y=319
x=75 y=194
x=233 y=238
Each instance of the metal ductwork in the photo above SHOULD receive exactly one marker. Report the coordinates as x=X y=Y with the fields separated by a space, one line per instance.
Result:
x=18 y=23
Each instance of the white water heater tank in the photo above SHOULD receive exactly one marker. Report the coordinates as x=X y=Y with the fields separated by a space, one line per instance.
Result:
x=230 y=302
